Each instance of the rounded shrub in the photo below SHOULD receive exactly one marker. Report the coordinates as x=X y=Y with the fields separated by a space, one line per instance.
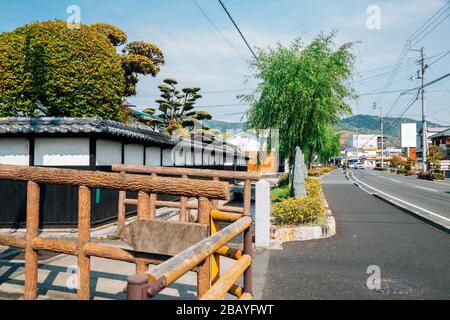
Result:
x=294 y=211
x=49 y=69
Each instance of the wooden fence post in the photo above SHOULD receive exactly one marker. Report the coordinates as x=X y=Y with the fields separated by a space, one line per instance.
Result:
x=84 y=237
x=248 y=236
x=183 y=203
x=204 y=271
x=121 y=209
x=143 y=212
x=152 y=204
x=31 y=256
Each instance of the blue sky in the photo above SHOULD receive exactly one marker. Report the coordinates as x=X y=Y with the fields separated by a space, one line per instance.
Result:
x=197 y=55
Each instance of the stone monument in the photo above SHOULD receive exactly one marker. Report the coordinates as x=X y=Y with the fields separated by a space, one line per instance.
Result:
x=299 y=174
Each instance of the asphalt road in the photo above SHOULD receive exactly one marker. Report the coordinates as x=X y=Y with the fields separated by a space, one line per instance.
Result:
x=428 y=198
x=413 y=257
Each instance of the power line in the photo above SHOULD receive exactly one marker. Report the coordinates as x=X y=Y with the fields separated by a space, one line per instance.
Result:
x=407 y=45
x=416 y=42
x=237 y=28
x=218 y=30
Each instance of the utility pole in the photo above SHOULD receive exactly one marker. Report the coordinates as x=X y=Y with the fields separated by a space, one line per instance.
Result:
x=382 y=138
x=382 y=133
x=424 y=122
x=421 y=76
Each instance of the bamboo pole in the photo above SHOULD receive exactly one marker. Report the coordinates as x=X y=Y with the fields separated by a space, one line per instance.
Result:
x=226 y=281
x=215 y=227
x=116 y=253
x=204 y=271
x=31 y=255
x=230 y=253
x=84 y=237
x=236 y=291
x=231 y=209
x=225 y=216
x=246 y=296
x=186 y=260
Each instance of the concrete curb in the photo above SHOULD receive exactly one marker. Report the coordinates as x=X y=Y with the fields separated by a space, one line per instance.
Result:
x=413 y=213
x=281 y=234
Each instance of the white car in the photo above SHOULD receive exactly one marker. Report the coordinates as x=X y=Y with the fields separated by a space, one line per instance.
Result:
x=359 y=165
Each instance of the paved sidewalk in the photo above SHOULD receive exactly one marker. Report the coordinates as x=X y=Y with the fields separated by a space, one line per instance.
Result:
x=413 y=256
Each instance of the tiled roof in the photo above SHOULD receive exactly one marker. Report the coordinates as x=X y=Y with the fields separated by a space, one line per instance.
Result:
x=444 y=133
x=22 y=125
x=80 y=125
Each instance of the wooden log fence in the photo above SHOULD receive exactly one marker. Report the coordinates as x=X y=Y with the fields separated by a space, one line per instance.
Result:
x=146 y=285
x=147 y=187
x=219 y=214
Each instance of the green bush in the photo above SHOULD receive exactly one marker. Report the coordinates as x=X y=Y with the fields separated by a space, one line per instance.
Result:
x=47 y=68
x=313 y=188
x=284 y=180
x=280 y=193
x=314 y=173
x=294 y=211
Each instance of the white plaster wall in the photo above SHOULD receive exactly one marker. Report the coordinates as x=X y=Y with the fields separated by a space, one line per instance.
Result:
x=153 y=156
x=179 y=155
x=108 y=152
x=61 y=152
x=134 y=154
x=198 y=157
x=14 y=151
x=167 y=160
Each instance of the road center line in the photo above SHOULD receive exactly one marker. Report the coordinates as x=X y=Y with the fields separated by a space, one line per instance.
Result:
x=426 y=189
x=410 y=204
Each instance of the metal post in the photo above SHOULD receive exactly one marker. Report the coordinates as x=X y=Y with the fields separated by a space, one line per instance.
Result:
x=137 y=286
x=248 y=237
x=382 y=138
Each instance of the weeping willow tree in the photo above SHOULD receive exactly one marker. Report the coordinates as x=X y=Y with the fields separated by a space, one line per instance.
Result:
x=302 y=92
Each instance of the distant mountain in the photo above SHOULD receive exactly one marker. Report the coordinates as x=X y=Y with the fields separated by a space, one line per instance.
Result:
x=224 y=126
x=366 y=124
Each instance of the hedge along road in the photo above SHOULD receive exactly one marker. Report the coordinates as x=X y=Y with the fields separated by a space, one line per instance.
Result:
x=428 y=199
x=412 y=255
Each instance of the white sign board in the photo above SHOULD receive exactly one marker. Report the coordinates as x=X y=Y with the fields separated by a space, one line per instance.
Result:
x=408 y=135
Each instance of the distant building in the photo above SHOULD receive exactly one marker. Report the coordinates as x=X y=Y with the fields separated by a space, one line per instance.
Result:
x=431 y=131
x=442 y=139
x=254 y=148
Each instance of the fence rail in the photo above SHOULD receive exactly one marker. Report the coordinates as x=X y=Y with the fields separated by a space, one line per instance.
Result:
x=164 y=270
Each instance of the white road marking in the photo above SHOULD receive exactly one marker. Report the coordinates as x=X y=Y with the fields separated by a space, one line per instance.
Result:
x=410 y=204
x=395 y=180
x=426 y=189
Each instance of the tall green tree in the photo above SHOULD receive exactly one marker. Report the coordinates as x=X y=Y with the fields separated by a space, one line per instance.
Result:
x=48 y=69
x=302 y=91
x=176 y=108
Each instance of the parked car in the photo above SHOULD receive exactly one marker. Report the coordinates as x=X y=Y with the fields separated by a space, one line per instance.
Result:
x=359 y=165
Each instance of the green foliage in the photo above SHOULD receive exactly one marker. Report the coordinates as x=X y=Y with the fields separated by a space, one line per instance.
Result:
x=176 y=108
x=435 y=155
x=302 y=92
x=116 y=36
x=280 y=193
x=294 y=211
x=284 y=179
x=49 y=69
x=140 y=58
x=313 y=188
